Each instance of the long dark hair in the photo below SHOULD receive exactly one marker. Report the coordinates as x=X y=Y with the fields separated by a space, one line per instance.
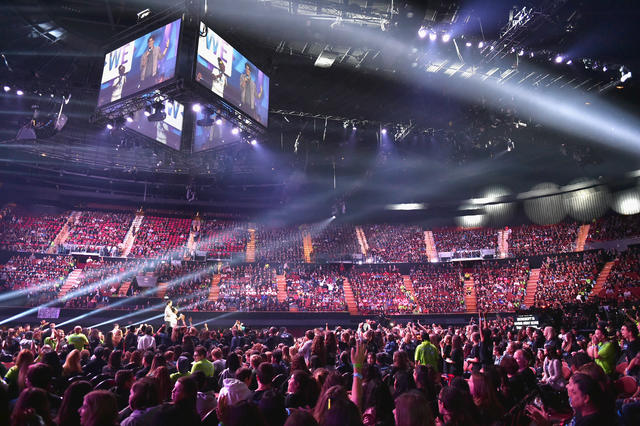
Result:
x=32 y=402
x=72 y=401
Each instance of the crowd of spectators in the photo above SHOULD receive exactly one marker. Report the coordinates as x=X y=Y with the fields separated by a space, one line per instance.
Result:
x=376 y=374
x=221 y=239
x=316 y=288
x=96 y=232
x=532 y=240
x=100 y=281
x=395 y=243
x=279 y=244
x=334 y=241
x=188 y=281
x=248 y=288
x=30 y=233
x=623 y=281
x=616 y=227
x=500 y=286
x=157 y=236
x=568 y=278
x=459 y=239
x=380 y=290
x=438 y=288
x=40 y=278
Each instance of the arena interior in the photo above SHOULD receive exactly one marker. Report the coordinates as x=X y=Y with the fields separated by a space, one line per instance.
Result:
x=319 y=212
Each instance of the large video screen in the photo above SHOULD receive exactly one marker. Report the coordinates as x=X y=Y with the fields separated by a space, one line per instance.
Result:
x=140 y=64
x=223 y=70
x=168 y=131
x=219 y=133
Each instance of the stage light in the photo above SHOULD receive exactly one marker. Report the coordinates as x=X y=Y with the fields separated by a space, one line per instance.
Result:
x=559 y=59
x=354 y=127
x=422 y=32
x=19 y=92
x=196 y=108
x=383 y=131
x=468 y=44
x=446 y=37
x=604 y=68
x=7 y=88
x=481 y=45
x=109 y=126
x=158 y=112
x=406 y=206
x=491 y=48
x=433 y=36
x=569 y=62
x=147 y=111
x=627 y=202
x=624 y=76
x=219 y=121
x=521 y=52
x=254 y=142
x=235 y=131
x=130 y=118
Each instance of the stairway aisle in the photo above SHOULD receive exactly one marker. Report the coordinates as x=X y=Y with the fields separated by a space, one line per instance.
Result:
x=602 y=278
x=470 y=301
x=350 y=299
x=532 y=287
x=214 y=291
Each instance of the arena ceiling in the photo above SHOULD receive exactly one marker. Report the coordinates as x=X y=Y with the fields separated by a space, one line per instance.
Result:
x=57 y=46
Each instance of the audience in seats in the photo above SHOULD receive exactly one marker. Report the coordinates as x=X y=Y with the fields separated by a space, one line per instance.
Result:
x=316 y=288
x=500 y=285
x=380 y=290
x=101 y=280
x=438 y=288
x=623 y=282
x=375 y=373
x=221 y=239
x=249 y=288
x=458 y=239
x=532 y=240
x=158 y=236
x=188 y=282
x=30 y=233
x=568 y=278
x=97 y=232
x=279 y=244
x=395 y=243
x=40 y=278
x=616 y=227
x=334 y=241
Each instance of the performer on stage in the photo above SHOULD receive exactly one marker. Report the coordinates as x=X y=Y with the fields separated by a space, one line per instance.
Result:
x=170 y=315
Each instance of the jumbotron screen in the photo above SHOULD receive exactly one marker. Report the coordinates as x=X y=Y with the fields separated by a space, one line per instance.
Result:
x=219 y=133
x=167 y=132
x=140 y=64
x=227 y=73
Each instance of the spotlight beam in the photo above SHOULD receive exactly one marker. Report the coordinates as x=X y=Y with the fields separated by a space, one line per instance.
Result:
x=88 y=289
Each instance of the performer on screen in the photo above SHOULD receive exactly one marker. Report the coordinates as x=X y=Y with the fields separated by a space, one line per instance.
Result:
x=219 y=78
x=249 y=91
x=118 y=84
x=149 y=60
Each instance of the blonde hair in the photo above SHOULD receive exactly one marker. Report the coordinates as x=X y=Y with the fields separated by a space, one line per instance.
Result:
x=72 y=364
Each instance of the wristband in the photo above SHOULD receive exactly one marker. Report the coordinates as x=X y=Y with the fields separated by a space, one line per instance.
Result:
x=357 y=375
x=357 y=365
